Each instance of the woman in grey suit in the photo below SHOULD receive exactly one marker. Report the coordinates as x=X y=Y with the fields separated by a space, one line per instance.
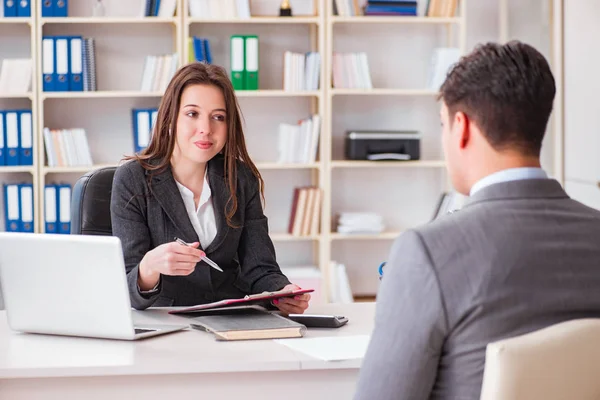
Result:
x=195 y=181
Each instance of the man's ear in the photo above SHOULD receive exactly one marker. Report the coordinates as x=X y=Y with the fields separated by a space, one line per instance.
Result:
x=461 y=128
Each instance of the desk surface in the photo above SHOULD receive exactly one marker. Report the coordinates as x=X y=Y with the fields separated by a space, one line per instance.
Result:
x=190 y=351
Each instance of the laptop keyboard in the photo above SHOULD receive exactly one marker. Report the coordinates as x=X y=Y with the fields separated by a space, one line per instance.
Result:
x=138 y=330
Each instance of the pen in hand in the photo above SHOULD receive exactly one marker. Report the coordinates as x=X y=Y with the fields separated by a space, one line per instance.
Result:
x=203 y=258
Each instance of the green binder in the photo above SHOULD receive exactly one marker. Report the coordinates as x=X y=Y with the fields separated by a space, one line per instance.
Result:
x=251 y=67
x=238 y=70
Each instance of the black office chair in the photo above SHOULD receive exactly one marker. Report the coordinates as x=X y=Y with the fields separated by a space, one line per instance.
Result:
x=90 y=203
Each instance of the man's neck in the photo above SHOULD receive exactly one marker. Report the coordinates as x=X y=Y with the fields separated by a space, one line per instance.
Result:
x=502 y=163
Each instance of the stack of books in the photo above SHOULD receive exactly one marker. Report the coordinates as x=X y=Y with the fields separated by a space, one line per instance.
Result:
x=199 y=50
x=158 y=8
x=219 y=9
x=351 y=71
x=306 y=210
x=391 y=8
x=298 y=144
x=67 y=148
x=158 y=72
x=68 y=64
x=346 y=8
x=15 y=76
x=301 y=71
x=441 y=8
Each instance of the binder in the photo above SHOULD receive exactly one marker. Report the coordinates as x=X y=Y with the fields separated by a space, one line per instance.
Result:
x=64 y=209
x=237 y=62
x=251 y=70
x=141 y=129
x=156 y=6
x=11 y=129
x=2 y=138
x=199 y=52
x=24 y=8
x=61 y=52
x=12 y=216
x=207 y=52
x=26 y=197
x=60 y=8
x=10 y=8
x=48 y=64
x=76 y=64
x=50 y=209
x=48 y=8
x=26 y=138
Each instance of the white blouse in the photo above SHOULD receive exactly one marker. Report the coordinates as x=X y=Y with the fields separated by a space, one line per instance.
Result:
x=203 y=217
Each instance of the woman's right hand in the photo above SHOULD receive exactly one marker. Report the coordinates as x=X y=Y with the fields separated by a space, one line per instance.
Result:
x=167 y=259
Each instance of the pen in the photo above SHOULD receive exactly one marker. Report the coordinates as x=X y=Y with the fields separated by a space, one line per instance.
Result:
x=203 y=258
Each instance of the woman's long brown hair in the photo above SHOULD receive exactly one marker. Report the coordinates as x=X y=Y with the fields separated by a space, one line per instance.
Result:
x=157 y=156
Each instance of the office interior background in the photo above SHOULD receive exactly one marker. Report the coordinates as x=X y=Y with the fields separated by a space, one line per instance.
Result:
x=309 y=80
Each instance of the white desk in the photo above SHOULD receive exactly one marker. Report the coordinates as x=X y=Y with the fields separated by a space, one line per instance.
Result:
x=178 y=364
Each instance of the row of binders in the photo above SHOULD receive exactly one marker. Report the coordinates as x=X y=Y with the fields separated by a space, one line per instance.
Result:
x=219 y=9
x=54 y=8
x=158 y=71
x=158 y=8
x=14 y=8
x=301 y=71
x=351 y=71
x=15 y=76
x=16 y=137
x=143 y=120
x=199 y=50
x=244 y=62
x=68 y=64
x=67 y=148
x=298 y=144
x=18 y=207
x=306 y=210
x=57 y=208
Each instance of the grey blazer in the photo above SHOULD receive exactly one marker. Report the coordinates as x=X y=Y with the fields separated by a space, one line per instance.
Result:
x=519 y=256
x=145 y=217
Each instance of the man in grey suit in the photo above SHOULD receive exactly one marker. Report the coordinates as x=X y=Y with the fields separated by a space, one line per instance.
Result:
x=519 y=256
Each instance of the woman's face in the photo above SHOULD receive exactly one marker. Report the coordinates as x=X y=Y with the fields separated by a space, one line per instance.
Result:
x=201 y=124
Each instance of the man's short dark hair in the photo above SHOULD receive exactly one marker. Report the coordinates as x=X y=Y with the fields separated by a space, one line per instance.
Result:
x=507 y=90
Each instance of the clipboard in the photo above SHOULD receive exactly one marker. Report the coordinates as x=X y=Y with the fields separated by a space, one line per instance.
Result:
x=246 y=300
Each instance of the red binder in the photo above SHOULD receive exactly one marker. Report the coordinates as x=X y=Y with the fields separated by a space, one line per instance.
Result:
x=246 y=300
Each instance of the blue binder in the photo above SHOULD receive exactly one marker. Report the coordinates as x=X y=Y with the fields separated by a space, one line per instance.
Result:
x=48 y=64
x=50 y=209
x=48 y=8
x=207 y=53
x=199 y=49
x=2 y=139
x=12 y=209
x=10 y=8
x=156 y=8
x=26 y=201
x=25 y=138
x=76 y=63
x=142 y=122
x=24 y=9
x=11 y=137
x=61 y=63
x=60 y=8
x=64 y=209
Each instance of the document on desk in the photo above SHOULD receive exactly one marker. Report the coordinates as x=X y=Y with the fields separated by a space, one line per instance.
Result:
x=333 y=348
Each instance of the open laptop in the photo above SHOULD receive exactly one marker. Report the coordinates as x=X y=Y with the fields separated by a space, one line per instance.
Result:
x=68 y=285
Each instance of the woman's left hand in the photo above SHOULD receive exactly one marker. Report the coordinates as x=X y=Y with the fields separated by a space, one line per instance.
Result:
x=292 y=305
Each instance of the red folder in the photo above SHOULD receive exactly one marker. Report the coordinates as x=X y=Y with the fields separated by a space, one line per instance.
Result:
x=246 y=300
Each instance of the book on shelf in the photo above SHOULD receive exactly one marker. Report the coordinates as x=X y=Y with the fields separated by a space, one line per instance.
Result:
x=219 y=9
x=244 y=62
x=18 y=207
x=67 y=148
x=158 y=8
x=15 y=76
x=306 y=211
x=346 y=8
x=199 y=50
x=301 y=71
x=390 y=8
x=299 y=144
x=16 y=138
x=351 y=71
x=57 y=208
x=441 y=8
x=442 y=60
x=158 y=71
x=68 y=64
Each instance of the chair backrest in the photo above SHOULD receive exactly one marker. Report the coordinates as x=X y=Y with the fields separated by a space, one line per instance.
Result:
x=90 y=204
x=558 y=362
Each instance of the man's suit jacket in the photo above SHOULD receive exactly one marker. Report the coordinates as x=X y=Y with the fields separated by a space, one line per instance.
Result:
x=144 y=217
x=519 y=256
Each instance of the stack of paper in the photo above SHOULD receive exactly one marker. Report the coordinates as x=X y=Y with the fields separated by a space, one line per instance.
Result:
x=360 y=223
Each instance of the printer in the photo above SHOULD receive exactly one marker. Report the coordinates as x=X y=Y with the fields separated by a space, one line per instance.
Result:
x=383 y=145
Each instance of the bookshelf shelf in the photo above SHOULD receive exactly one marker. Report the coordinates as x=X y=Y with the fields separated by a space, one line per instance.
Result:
x=16 y=169
x=286 y=237
x=108 y=20
x=374 y=236
x=99 y=94
x=382 y=92
x=16 y=20
x=82 y=169
x=389 y=164
x=16 y=96
x=394 y=20
x=256 y=20
x=276 y=166
x=277 y=93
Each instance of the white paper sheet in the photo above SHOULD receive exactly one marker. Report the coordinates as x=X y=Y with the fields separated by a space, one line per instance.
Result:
x=334 y=348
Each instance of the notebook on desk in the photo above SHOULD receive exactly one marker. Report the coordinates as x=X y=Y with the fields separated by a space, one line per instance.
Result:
x=247 y=323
